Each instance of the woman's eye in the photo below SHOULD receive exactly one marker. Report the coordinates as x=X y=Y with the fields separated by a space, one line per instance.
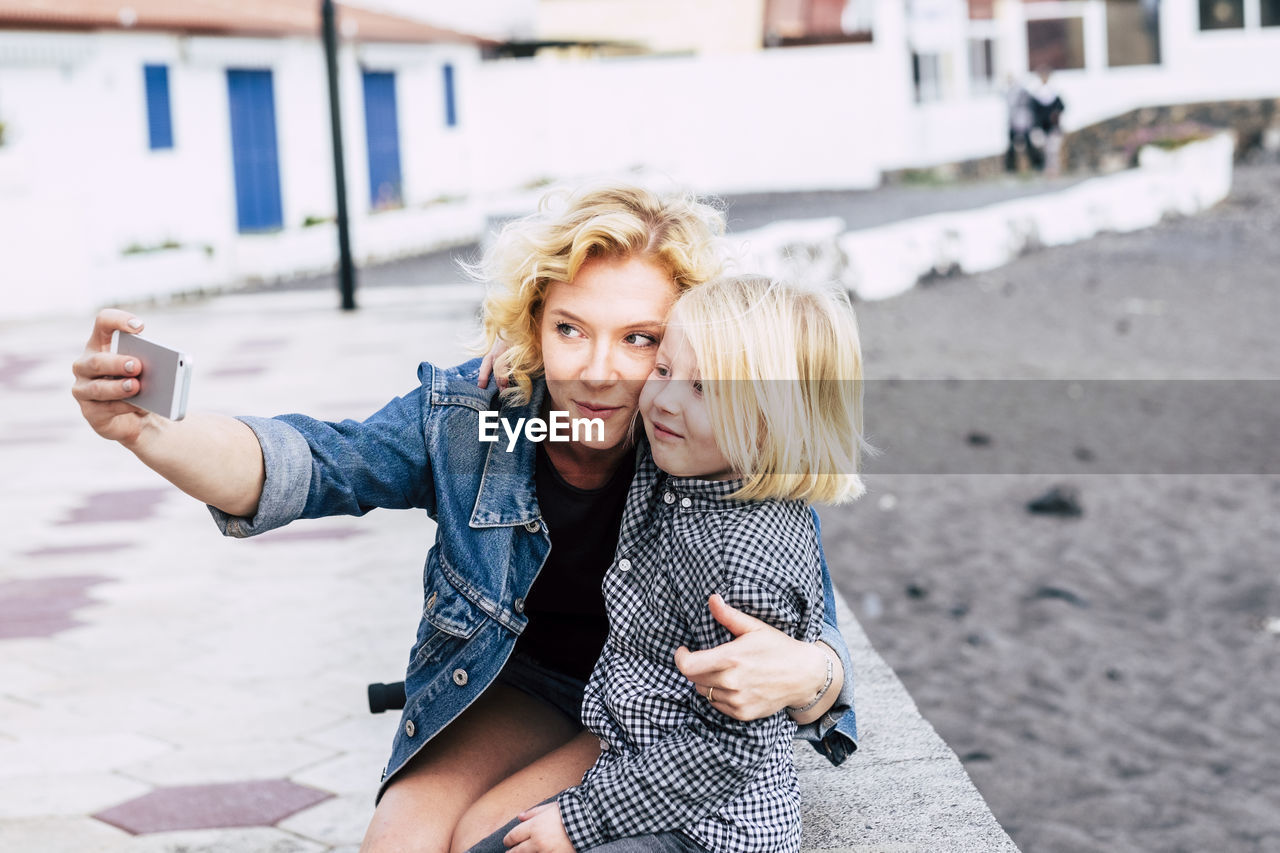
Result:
x=641 y=339
x=567 y=331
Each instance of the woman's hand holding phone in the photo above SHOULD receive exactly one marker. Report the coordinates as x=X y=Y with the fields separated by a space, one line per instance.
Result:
x=104 y=381
x=213 y=458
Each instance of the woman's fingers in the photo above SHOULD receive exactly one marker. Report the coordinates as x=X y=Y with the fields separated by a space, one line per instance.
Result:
x=111 y=320
x=104 y=390
x=94 y=365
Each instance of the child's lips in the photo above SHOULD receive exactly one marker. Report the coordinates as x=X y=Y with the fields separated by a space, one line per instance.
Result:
x=662 y=431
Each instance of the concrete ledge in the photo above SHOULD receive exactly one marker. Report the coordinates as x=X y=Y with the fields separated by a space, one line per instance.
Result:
x=880 y=262
x=904 y=790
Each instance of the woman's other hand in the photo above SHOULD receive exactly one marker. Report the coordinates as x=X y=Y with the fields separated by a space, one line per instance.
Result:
x=491 y=365
x=761 y=671
x=105 y=381
x=540 y=831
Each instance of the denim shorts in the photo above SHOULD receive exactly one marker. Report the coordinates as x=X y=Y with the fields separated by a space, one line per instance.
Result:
x=560 y=691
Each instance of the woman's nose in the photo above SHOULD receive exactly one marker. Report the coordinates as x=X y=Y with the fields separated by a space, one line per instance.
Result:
x=600 y=368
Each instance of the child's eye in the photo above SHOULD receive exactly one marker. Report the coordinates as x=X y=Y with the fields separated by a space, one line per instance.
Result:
x=567 y=331
x=641 y=339
x=661 y=370
x=697 y=387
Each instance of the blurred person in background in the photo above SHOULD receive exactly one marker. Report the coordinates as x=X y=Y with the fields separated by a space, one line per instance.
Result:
x=494 y=686
x=1046 y=134
x=1018 y=101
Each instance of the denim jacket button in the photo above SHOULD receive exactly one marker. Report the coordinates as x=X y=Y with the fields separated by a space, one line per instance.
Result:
x=460 y=677
x=533 y=527
x=518 y=605
x=624 y=564
x=409 y=729
x=668 y=498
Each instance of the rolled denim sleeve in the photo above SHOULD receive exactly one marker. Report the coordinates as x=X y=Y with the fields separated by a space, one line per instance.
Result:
x=835 y=733
x=316 y=469
x=287 y=459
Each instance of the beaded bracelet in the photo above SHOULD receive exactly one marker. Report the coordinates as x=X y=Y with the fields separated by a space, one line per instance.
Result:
x=831 y=671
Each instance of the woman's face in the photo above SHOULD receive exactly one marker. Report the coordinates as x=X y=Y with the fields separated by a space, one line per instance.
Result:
x=600 y=334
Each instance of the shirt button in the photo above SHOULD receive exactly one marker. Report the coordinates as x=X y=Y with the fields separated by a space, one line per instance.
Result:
x=409 y=729
x=533 y=527
x=460 y=677
x=624 y=564
x=686 y=503
x=668 y=498
x=604 y=744
x=518 y=604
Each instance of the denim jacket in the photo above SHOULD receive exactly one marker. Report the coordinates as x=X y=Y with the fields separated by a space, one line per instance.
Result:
x=423 y=451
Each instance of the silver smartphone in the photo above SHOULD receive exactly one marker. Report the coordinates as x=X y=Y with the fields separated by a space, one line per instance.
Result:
x=165 y=378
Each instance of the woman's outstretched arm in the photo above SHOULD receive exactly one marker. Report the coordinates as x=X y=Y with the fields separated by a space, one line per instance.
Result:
x=213 y=458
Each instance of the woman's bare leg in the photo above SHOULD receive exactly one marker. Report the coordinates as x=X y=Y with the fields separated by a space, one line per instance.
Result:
x=502 y=733
x=544 y=778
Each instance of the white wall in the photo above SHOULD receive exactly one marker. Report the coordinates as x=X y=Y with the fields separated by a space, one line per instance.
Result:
x=79 y=184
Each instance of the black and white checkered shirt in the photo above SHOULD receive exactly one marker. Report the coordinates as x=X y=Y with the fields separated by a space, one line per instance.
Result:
x=671 y=761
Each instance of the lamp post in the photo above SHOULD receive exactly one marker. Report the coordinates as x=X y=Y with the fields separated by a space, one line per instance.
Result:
x=346 y=269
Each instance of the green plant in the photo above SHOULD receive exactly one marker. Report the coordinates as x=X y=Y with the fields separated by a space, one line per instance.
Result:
x=311 y=220
x=1 y=134
x=141 y=249
x=539 y=182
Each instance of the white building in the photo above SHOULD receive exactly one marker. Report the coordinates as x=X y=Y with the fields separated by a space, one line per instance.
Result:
x=170 y=146
x=927 y=89
x=94 y=183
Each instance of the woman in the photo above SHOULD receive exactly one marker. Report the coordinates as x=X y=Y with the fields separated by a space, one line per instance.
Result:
x=491 y=722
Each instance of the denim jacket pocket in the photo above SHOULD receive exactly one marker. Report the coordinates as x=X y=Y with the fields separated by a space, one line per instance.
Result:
x=449 y=618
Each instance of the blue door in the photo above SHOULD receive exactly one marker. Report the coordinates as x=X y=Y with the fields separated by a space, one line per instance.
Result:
x=382 y=135
x=253 y=150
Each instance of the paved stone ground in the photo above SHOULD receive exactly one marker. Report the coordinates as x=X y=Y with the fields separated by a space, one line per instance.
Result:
x=1111 y=681
x=165 y=690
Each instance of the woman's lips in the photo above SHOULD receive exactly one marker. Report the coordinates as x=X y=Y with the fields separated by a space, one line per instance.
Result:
x=595 y=410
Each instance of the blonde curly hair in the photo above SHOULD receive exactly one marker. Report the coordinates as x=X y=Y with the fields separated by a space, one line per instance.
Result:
x=615 y=220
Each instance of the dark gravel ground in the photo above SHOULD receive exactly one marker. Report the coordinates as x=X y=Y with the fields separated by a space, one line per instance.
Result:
x=1111 y=681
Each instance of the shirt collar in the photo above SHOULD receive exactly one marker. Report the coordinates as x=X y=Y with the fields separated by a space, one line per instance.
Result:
x=507 y=494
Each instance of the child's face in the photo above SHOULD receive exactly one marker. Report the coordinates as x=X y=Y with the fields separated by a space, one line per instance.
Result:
x=675 y=413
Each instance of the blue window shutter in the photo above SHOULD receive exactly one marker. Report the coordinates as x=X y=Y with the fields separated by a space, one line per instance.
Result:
x=382 y=137
x=159 y=117
x=254 y=155
x=450 y=105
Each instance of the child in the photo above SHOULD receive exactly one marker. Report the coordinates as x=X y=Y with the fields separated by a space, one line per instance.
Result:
x=752 y=411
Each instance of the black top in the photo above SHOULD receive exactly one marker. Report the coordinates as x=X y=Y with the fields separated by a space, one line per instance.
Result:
x=565 y=607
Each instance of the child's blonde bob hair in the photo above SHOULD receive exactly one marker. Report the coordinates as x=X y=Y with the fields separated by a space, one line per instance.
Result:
x=614 y=220
x=782 y=376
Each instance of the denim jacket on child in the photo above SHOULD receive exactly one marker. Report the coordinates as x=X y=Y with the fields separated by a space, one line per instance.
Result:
x=423 y=451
